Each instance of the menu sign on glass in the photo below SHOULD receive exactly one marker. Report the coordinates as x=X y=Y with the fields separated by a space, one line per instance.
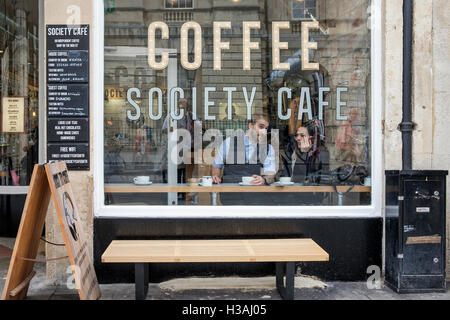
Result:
x=13 y=114
x=68 y=95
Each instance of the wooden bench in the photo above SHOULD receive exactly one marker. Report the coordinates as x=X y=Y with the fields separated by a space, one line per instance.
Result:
x=284 y=252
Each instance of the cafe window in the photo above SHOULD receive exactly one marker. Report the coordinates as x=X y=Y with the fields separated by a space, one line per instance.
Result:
x=304 y=9
x=19 y=86
x=197 y=115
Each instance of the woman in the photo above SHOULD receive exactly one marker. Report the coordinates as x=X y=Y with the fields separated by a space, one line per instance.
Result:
x=305 y=157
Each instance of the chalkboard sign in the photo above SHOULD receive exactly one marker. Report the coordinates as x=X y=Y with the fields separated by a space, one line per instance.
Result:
x=68 y=66
x=68 y=130
x=74 y=155
x=68 y=100
x=68 y=95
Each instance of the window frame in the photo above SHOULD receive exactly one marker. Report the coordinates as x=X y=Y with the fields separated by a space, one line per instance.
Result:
x=305 y=18
x=220 y=212
x=187 y=8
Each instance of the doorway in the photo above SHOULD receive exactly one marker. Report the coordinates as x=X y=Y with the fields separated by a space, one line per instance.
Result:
x=135 y=144
x=19 y=87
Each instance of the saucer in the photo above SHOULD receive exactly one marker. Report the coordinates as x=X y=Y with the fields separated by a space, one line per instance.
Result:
x=143 y=183
x=279 y=184
x=245 y=185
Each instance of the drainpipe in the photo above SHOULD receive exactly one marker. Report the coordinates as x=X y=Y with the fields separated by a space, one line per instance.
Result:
x=407 y=126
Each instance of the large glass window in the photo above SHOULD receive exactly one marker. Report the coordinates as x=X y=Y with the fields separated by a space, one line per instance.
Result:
x=244 y=105
x=19 y=72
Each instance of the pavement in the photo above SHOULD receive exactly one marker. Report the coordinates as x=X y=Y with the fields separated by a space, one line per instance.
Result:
x=228 y=288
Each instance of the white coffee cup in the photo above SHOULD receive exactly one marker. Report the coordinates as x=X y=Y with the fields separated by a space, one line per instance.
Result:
x=206 y=181
x=285 y=180
x=142 y=180
x=247 y=180
x=368 y=182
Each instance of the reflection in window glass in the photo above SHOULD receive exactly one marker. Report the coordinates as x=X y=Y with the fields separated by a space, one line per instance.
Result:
x=19 y=72
x=304 y=9
x=178 y=4
x=295 y=136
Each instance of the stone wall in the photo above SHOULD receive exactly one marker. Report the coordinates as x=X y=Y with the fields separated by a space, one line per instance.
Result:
x=439 y=112
x=431 y=93
x=56 y=12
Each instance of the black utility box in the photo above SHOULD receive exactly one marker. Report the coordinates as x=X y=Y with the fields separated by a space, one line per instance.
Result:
x=415 y=231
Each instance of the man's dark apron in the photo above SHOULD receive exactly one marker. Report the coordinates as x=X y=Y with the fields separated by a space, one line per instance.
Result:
x=233 y=173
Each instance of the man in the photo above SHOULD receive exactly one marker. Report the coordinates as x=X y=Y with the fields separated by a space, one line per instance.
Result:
x=261 y=166
x=142 y=146
x=185 y=123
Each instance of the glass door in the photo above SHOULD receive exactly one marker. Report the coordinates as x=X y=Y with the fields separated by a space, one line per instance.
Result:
x=19 y=123
x=138 y=132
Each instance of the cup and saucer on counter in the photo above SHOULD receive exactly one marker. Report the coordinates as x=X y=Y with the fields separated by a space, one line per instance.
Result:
x=206 y=181
x=142 y=181
x=246 y=181
x=194 y=182
x=284 y=182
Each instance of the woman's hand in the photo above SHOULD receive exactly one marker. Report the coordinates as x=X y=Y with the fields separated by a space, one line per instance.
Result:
x=303 y=139
x=305 y=144
x=258 y=180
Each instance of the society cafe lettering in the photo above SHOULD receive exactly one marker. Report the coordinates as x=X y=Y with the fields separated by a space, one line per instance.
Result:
x=115 y=94
x=68 y=31
x=219 y=45
x=155 y=95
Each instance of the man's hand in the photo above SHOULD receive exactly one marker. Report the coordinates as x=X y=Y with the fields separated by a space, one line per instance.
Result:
x=215 y=174
x=258 y=181
x=217 y=180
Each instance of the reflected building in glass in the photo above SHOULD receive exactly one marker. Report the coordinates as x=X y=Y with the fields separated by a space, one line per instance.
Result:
x=137 y=145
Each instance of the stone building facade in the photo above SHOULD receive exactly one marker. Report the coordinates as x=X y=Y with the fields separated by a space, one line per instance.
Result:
x=431 y=75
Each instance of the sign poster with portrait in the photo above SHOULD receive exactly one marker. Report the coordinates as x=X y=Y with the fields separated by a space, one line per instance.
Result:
x=69 y=219
x=50 y=181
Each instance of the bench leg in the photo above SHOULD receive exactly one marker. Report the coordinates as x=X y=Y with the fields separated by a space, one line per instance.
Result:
x=141 y=280
x=285 y=269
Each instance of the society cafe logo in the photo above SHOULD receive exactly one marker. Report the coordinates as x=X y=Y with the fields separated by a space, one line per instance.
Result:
x=219 y=45
x=114 y=93
x=160 y=61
